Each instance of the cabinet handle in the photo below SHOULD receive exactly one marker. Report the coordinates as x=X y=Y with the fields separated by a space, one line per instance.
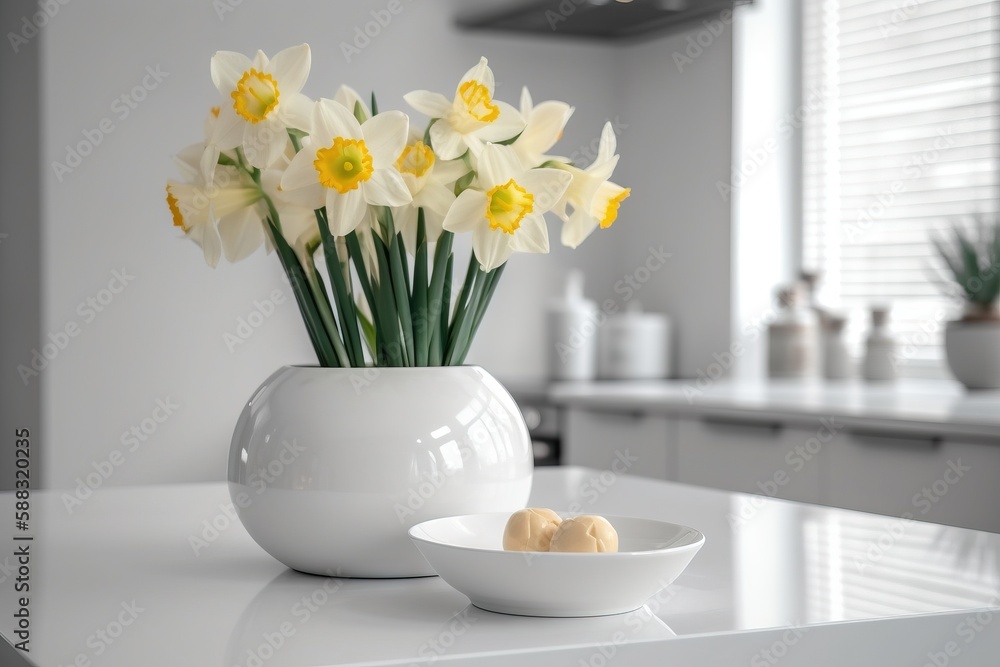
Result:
x=891 y=439
x=745 y=423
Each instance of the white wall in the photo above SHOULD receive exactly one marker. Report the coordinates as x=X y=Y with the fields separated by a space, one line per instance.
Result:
x=677 y=148
x=162 y=336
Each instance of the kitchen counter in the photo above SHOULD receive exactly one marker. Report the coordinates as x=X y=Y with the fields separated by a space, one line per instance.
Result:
x=166 y=575
x=936 y=407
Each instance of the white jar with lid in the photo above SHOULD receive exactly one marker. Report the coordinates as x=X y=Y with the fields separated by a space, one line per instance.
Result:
x=634 y=346
x=880 y=349
x=572 y=328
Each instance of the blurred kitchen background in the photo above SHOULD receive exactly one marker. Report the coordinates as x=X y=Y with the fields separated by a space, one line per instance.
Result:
x=790 y=162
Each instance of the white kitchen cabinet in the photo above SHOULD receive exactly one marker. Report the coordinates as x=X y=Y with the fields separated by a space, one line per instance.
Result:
x=753 y=455
x=925 y=477
x=632 y=442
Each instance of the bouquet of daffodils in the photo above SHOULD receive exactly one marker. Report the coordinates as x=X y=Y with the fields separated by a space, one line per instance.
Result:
x=338 y=179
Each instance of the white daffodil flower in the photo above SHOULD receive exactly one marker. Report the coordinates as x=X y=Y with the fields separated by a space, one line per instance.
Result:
x=593 y=197
x=431 y=182
x=543 y=127
x=262 y=100
x=471 y=118
x=346 y=166
x=201 y=209
x=350 y=98
x=506 y=215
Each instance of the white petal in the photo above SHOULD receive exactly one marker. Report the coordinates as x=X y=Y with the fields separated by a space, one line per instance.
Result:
x=544 y=127
x=298 y=224
x=260 y=61
x=301 y=172
x=207 y=236
x=208 y=162
x=405 y=219
x=525 y=102
x=330 y=120
x=264 y=142
x=290 y=69
x=447 y=143
x=436 y=197
x=492 y=247
x=449 y=171
x=241 y=234
x=345 y=211
x=386 y=188
x=497 y=165
x=228 y=131
x=609 y=142
x=532 y=236
x=576 y=230
x=296 y=111
x=349 y=98
x=385 y=137
x=506 y=126
x=227 y=69
x=467 y=213
x=433 y=105
x=547 y=185
x=480 y=73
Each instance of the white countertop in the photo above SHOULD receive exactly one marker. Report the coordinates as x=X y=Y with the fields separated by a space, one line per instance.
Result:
x=938 y=406
x=801 y=582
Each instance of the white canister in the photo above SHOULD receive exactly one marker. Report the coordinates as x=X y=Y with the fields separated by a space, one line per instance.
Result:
x=572 y=328
x=880 y=349
x=634 y=346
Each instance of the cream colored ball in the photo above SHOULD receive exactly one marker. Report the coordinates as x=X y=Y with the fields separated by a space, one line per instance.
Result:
x=530 y=529
x=585 y=534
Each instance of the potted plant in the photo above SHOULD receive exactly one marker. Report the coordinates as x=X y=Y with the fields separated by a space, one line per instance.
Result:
x=972 y=343
x=330 y=464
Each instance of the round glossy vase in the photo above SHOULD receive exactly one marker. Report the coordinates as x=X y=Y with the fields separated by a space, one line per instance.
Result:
x=973 y=352
x=329 y=467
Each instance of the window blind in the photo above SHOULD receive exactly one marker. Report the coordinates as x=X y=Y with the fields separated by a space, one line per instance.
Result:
x=901 y=138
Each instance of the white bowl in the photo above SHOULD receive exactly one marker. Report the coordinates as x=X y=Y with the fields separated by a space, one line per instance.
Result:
x=467 y=552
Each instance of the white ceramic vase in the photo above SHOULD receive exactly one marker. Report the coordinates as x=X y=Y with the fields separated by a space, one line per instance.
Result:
x=973 y=351
x=330 y=467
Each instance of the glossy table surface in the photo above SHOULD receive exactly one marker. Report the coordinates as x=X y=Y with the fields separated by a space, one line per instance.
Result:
x=167 y=575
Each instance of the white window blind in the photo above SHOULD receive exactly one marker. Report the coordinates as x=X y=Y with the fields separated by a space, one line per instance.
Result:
x=903 y=140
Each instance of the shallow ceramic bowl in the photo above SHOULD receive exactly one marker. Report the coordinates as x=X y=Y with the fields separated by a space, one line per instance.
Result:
x=467 y=552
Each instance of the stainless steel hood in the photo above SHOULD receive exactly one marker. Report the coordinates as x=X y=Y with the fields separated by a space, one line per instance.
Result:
x=598 y=19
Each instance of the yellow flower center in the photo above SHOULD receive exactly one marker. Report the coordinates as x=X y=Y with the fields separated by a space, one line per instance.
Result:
x=175 y=210
x=345 y=165
x=477 y=101
x=506 y=206
x=416 y=159
x=611 y=212
x=255 y=96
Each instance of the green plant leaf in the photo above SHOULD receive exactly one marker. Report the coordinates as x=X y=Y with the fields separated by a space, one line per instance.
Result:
x=421 y=323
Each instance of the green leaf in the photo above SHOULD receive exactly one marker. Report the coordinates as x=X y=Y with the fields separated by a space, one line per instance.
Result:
x=388 y=318
x=359 y=112
x=427 y=133
x=421 y=323
x=303 y=298
x=438 y=297
x=368 y=330
x=399 y=280
x=342 y=296
x=508 y=142
x=374 y=105
x=463 y=183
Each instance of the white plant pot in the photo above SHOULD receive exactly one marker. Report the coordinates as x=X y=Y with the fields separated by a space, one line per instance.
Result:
x=330 y=467
x=973 y=351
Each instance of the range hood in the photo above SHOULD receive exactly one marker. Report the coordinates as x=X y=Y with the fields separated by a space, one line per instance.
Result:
x=599 y=19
